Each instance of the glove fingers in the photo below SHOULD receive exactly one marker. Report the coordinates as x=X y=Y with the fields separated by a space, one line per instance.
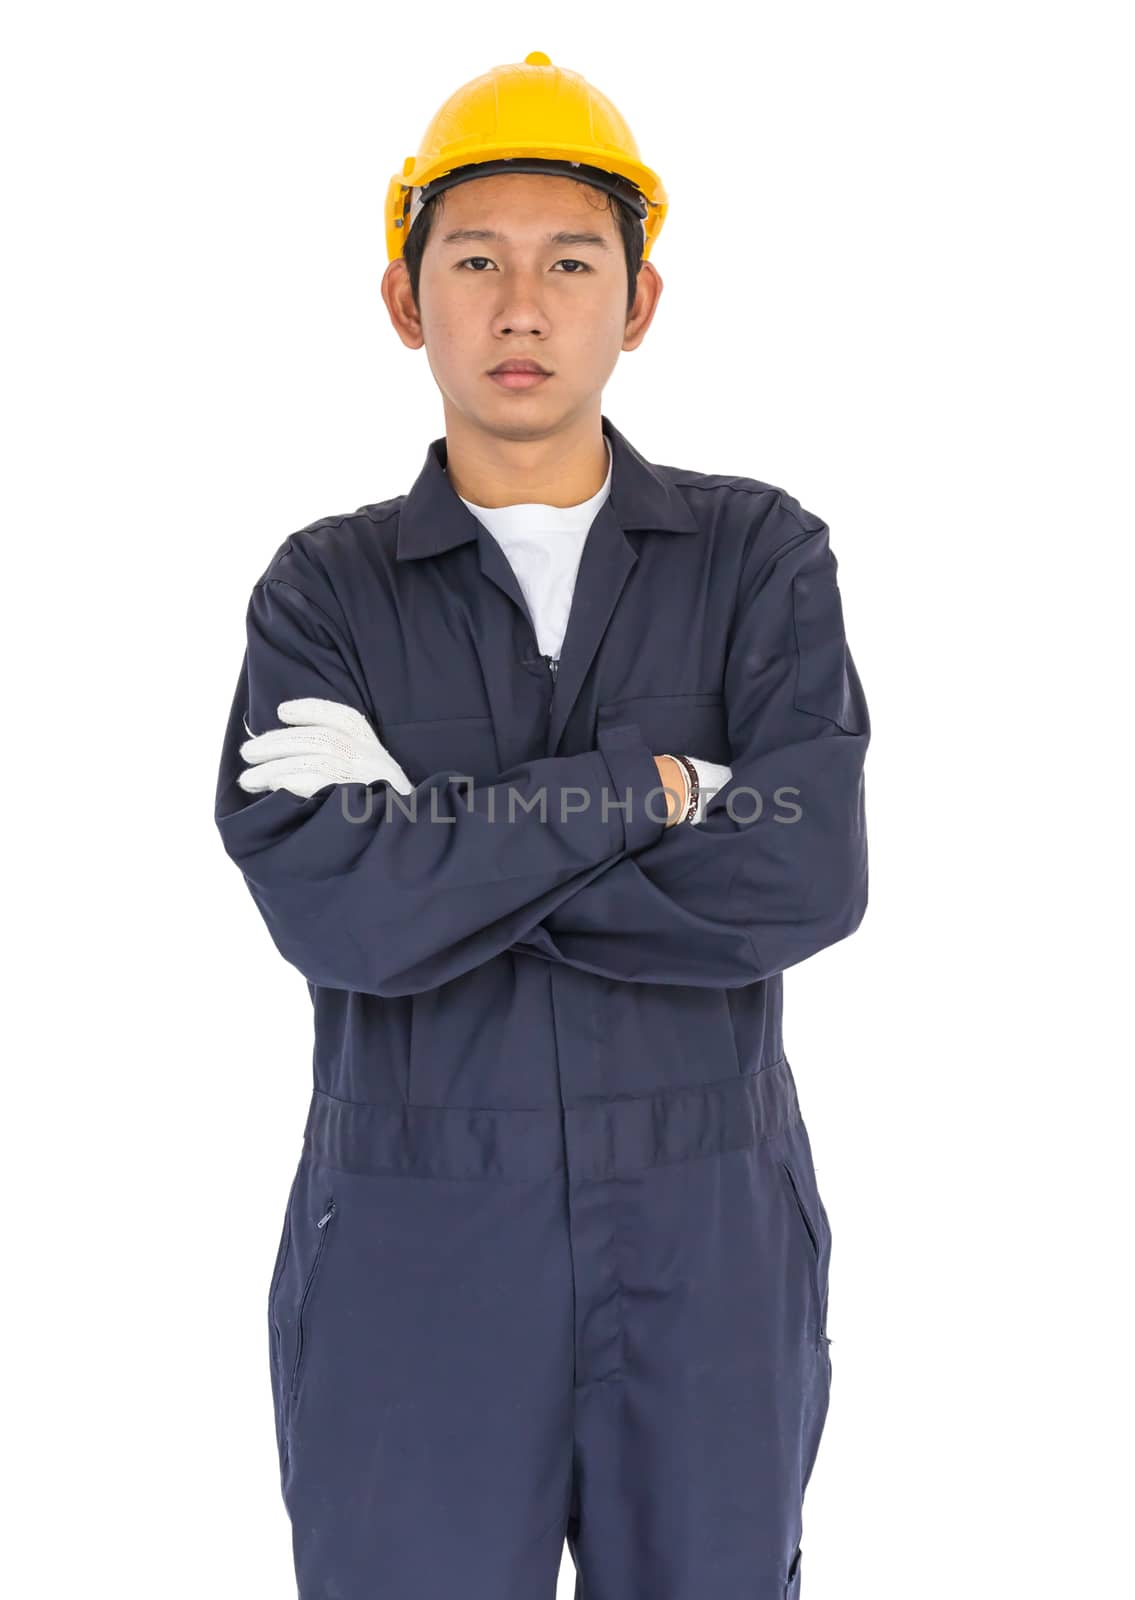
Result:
x=388 y=771
x=302 y=775
x=397 y=779
x=297 y=741
x=331 y=713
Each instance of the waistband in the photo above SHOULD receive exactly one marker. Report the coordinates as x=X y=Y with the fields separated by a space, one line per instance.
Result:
x=599 y=1139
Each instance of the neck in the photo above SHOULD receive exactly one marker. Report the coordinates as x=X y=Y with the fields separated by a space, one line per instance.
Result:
x=560 y=468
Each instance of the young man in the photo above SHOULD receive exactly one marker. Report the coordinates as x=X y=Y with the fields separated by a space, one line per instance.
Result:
x=554 y=1262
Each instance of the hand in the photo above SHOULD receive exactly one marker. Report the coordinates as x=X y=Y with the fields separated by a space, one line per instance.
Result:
x=671 y=776
x=712 y=776
x=323 y=743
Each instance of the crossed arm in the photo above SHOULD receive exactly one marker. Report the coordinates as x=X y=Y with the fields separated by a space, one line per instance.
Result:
x=323 y=742
x=381 y=902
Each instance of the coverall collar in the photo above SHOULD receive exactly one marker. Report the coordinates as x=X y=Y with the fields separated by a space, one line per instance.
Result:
x=433 y=517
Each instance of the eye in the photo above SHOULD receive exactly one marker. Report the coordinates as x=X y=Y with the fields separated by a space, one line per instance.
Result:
x=569 y=260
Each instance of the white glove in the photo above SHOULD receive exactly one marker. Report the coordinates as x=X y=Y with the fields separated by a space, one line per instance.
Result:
x=323 y=743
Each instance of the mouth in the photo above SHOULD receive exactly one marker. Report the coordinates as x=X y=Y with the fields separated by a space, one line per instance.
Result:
x=519 y=375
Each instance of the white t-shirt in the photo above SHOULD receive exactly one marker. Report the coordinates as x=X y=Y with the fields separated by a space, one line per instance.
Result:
x=544 y=545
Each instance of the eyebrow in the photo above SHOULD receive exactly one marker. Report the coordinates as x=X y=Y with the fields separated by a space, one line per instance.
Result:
x=564 y=236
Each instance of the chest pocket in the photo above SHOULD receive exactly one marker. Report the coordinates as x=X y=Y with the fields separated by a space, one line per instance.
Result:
x=686 y=724
x=463 y=745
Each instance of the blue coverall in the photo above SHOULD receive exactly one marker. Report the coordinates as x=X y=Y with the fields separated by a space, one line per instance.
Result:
x=554 y=1263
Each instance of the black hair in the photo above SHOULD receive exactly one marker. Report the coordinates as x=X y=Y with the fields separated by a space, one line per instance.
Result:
x=629 y=226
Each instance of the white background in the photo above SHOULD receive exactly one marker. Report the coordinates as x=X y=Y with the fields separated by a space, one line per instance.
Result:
x=897 y=283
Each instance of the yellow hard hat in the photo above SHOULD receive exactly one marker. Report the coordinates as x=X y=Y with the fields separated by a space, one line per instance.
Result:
x=528 y=118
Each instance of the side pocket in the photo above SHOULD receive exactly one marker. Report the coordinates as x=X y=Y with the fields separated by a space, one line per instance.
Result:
x=275 y=1328
x=819 y=1300
x=304 y=1312
x=282 y=1250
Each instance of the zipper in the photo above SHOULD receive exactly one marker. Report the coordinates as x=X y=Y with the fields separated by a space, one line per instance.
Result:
x=552 y=664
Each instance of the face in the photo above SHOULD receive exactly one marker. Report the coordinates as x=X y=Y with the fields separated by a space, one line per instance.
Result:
x=495 y=285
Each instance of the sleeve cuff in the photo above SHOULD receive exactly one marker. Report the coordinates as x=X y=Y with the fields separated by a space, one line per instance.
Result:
x=634 y=781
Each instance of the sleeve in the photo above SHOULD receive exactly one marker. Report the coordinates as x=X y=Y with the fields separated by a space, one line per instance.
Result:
x=366 y=889
x=777 y=870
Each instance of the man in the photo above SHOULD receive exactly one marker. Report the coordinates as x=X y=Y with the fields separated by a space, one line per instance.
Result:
x=542 y=774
